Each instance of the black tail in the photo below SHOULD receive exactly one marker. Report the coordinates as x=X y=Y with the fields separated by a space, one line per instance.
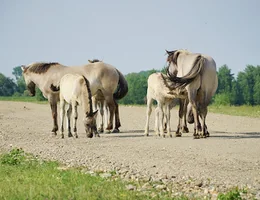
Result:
x=55 y=88
x=122 y=87
x=187 y=79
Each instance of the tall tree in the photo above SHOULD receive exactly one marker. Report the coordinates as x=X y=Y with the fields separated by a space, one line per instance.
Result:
x=225 y=79
x=17 y=72
x=7 y=86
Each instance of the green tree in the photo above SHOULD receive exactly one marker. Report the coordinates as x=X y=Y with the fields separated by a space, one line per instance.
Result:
x=7 y=86
x=225 y=79
x=137 y=87
x=17 y=72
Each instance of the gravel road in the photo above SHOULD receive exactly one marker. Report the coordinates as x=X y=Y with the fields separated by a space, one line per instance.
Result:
x=230 y=157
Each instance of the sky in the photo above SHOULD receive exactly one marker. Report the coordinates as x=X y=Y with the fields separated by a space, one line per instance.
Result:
x=131 y=35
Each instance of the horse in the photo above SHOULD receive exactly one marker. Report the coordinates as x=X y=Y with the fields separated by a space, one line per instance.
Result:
x=197 y=74
x=101 y=76
x=74 y=90
x=158 y=90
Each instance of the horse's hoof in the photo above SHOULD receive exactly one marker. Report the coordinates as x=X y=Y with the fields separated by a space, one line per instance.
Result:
x=115 y=130
x=100 y=130
x=70 y=135
x=76 y=136
x=185 y=130
x=62 y=136
x=196 y=137
x=146 y=134
x=178 y=135
x=90 y=135
x=54 y=130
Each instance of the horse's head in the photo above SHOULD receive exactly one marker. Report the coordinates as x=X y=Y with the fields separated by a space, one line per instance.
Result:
x=90 y=123
x=27 y=78
x=172 y=68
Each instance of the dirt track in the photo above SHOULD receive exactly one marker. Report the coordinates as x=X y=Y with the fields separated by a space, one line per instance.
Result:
x=230 y=157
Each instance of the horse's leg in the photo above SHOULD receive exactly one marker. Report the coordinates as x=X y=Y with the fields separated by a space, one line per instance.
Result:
x=62 y=114
x=203 y=114
x=53 y=104
x=192 y=100
x=168 y=117
x=156 y=124
x=69 y=111
x=178 y=132
x=148 y=114
x=75 y=117
x=101 y=111
x=117 y=119
x=161 y=117
x=111 y=106
x=184 y=121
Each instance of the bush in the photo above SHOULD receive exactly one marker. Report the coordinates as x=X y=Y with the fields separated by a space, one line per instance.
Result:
x=222 y=99
x=15 y=157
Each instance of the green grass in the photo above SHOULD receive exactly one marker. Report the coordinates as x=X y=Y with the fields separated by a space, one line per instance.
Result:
x=250 y=111
x=22 y=176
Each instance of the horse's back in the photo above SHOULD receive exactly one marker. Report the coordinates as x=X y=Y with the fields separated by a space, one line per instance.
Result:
x=70 y=87
x=101 y=76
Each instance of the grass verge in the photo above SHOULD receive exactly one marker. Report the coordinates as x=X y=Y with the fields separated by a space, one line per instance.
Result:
x=23 y=176
x=249 y=111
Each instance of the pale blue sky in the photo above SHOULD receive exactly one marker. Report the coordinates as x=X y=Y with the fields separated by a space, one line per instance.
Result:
x=131 y=35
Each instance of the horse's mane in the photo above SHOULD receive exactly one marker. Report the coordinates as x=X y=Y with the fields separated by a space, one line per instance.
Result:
x=40 y=67
x=89 y=94
x=94 y=60
x=173 y=55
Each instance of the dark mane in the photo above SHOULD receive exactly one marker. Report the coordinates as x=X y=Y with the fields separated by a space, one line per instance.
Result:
x=89 y=94
x=94 y=60
x=40 y=68
x=173 y=56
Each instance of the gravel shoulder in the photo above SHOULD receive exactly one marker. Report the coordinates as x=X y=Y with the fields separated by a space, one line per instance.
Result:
x=230 y=157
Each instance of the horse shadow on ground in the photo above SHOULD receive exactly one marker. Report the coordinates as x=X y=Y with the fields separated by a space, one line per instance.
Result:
x=130 y=133
x=237 y=135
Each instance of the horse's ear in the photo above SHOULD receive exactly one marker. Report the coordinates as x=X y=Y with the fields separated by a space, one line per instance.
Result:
x=168 y=52
x=90 y=61
x=23 y=68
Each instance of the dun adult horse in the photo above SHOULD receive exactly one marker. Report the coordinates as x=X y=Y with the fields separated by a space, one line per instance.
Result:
x=74 y=90
x=101 y=76
x=158 y=90
x=197 y=74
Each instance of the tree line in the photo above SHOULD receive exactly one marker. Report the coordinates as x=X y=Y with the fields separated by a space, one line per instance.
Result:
x=241 y=90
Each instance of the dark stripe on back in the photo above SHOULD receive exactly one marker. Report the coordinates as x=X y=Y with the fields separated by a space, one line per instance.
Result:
x=40 y=68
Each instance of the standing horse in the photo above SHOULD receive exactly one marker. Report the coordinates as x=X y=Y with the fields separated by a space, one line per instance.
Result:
x=158 y=90
x=74 y=90
x=197 y=73
x=101 y=76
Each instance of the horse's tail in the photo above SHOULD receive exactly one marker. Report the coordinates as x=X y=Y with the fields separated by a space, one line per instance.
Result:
x=193 y=73
x=55 y=88
x=122 y=87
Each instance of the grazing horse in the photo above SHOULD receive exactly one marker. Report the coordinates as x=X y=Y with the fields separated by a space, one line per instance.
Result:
x=197 y=74
x=101 y=76
x=158 y=90
x=74 y=90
